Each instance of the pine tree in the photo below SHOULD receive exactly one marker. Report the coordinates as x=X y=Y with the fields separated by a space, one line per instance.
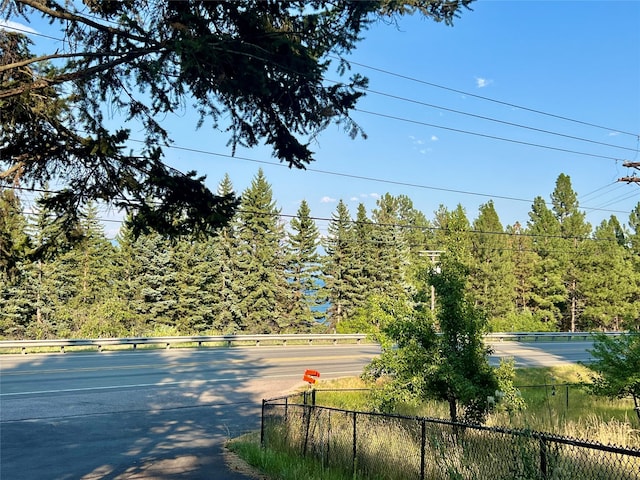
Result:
x=94 y=258
x=549 y=292
x=155 y=282
x=575 y=230
x=390 y=251
x=304 y=271
x=418 y=236
x=227 y=314
x=340 y=266
x=525 y=260
x=493 y=279
x=263 y=294
x=609 y=283
x=196 y=287
x=16 y=303
x=54 y=279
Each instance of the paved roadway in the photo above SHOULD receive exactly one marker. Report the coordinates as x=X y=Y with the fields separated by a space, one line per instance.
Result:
x=165 y=414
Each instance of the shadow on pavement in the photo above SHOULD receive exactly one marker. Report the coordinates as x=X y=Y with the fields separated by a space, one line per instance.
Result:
x=146 y=415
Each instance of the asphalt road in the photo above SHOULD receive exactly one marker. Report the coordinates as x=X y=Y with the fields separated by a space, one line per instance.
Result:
x=165 y=414
x=162 y=414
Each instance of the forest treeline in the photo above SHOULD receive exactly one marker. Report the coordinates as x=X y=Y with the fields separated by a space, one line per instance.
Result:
x=260 y=274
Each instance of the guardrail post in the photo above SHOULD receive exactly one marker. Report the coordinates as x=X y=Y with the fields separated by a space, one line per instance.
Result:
x=61 y=348
x=168 y=345
x=24 y=350
x=99 y=348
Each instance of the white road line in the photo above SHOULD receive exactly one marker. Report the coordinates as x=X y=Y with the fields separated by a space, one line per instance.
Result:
x=192 y=383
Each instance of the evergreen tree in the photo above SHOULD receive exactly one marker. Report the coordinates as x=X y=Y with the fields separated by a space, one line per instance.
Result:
x=525 y=260
x=494 y=282
x=128 y=266
x=634 y=243
x=263 y=295
x=258 y=68
x=304 y=270
x=452 y=233
x=155 y=283
x=418 y=237
x=227 y=314
x=609 y=283
x=390 y=251
x=340 y=267
x=574 y=231
x=16 y=305
x=93 y=257
x=549 y=292
x=196 y=282
x=54 y=279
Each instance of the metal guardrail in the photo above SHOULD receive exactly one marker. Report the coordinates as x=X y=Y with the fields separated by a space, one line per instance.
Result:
x=100 y=343
x=548 y=336
x=229 y=340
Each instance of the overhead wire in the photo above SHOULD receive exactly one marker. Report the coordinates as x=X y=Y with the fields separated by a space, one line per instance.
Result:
x=451 y=129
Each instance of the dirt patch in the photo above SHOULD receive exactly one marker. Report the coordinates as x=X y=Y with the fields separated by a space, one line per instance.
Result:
x=235 y=464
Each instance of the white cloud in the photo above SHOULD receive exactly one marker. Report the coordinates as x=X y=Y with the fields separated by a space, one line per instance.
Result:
x=354 y=199
x=327 y=199
x=15 y=26
x=614 y=134
x=483 y=82
x=434 y=138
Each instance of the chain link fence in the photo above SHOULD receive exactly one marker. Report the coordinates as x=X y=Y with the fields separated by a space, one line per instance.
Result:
x=375 y=445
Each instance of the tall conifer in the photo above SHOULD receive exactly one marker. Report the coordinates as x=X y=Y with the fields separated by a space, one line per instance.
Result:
x=304 y=270
x=263 y=294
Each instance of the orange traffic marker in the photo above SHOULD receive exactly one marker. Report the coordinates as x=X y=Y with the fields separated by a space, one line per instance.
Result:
x=309 y=379
x=311 y=376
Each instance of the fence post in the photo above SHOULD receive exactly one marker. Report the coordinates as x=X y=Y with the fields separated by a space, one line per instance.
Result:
x=307 y=414
x=543 y=458
x=355 y=438
x=423 y=448
x=262 y=424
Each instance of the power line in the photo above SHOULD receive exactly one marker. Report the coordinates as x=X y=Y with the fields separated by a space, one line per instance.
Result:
x=500 y=102
x=468 y=113
x=483 y=117
x=366 y=178
x=371 y=223
x=492 y=137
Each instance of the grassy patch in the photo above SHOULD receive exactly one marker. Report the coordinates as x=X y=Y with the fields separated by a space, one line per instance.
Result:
x=556 y=403
x=283 y=465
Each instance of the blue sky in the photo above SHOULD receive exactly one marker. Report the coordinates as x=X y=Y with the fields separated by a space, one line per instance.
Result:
x=505 y=63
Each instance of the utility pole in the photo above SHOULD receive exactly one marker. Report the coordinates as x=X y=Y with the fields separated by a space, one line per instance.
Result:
x=633 y=178
x=433 y=255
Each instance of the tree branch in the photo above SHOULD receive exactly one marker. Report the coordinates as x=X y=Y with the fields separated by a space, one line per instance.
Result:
x=46 y=82
x=66 y=15
x=10 y=66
